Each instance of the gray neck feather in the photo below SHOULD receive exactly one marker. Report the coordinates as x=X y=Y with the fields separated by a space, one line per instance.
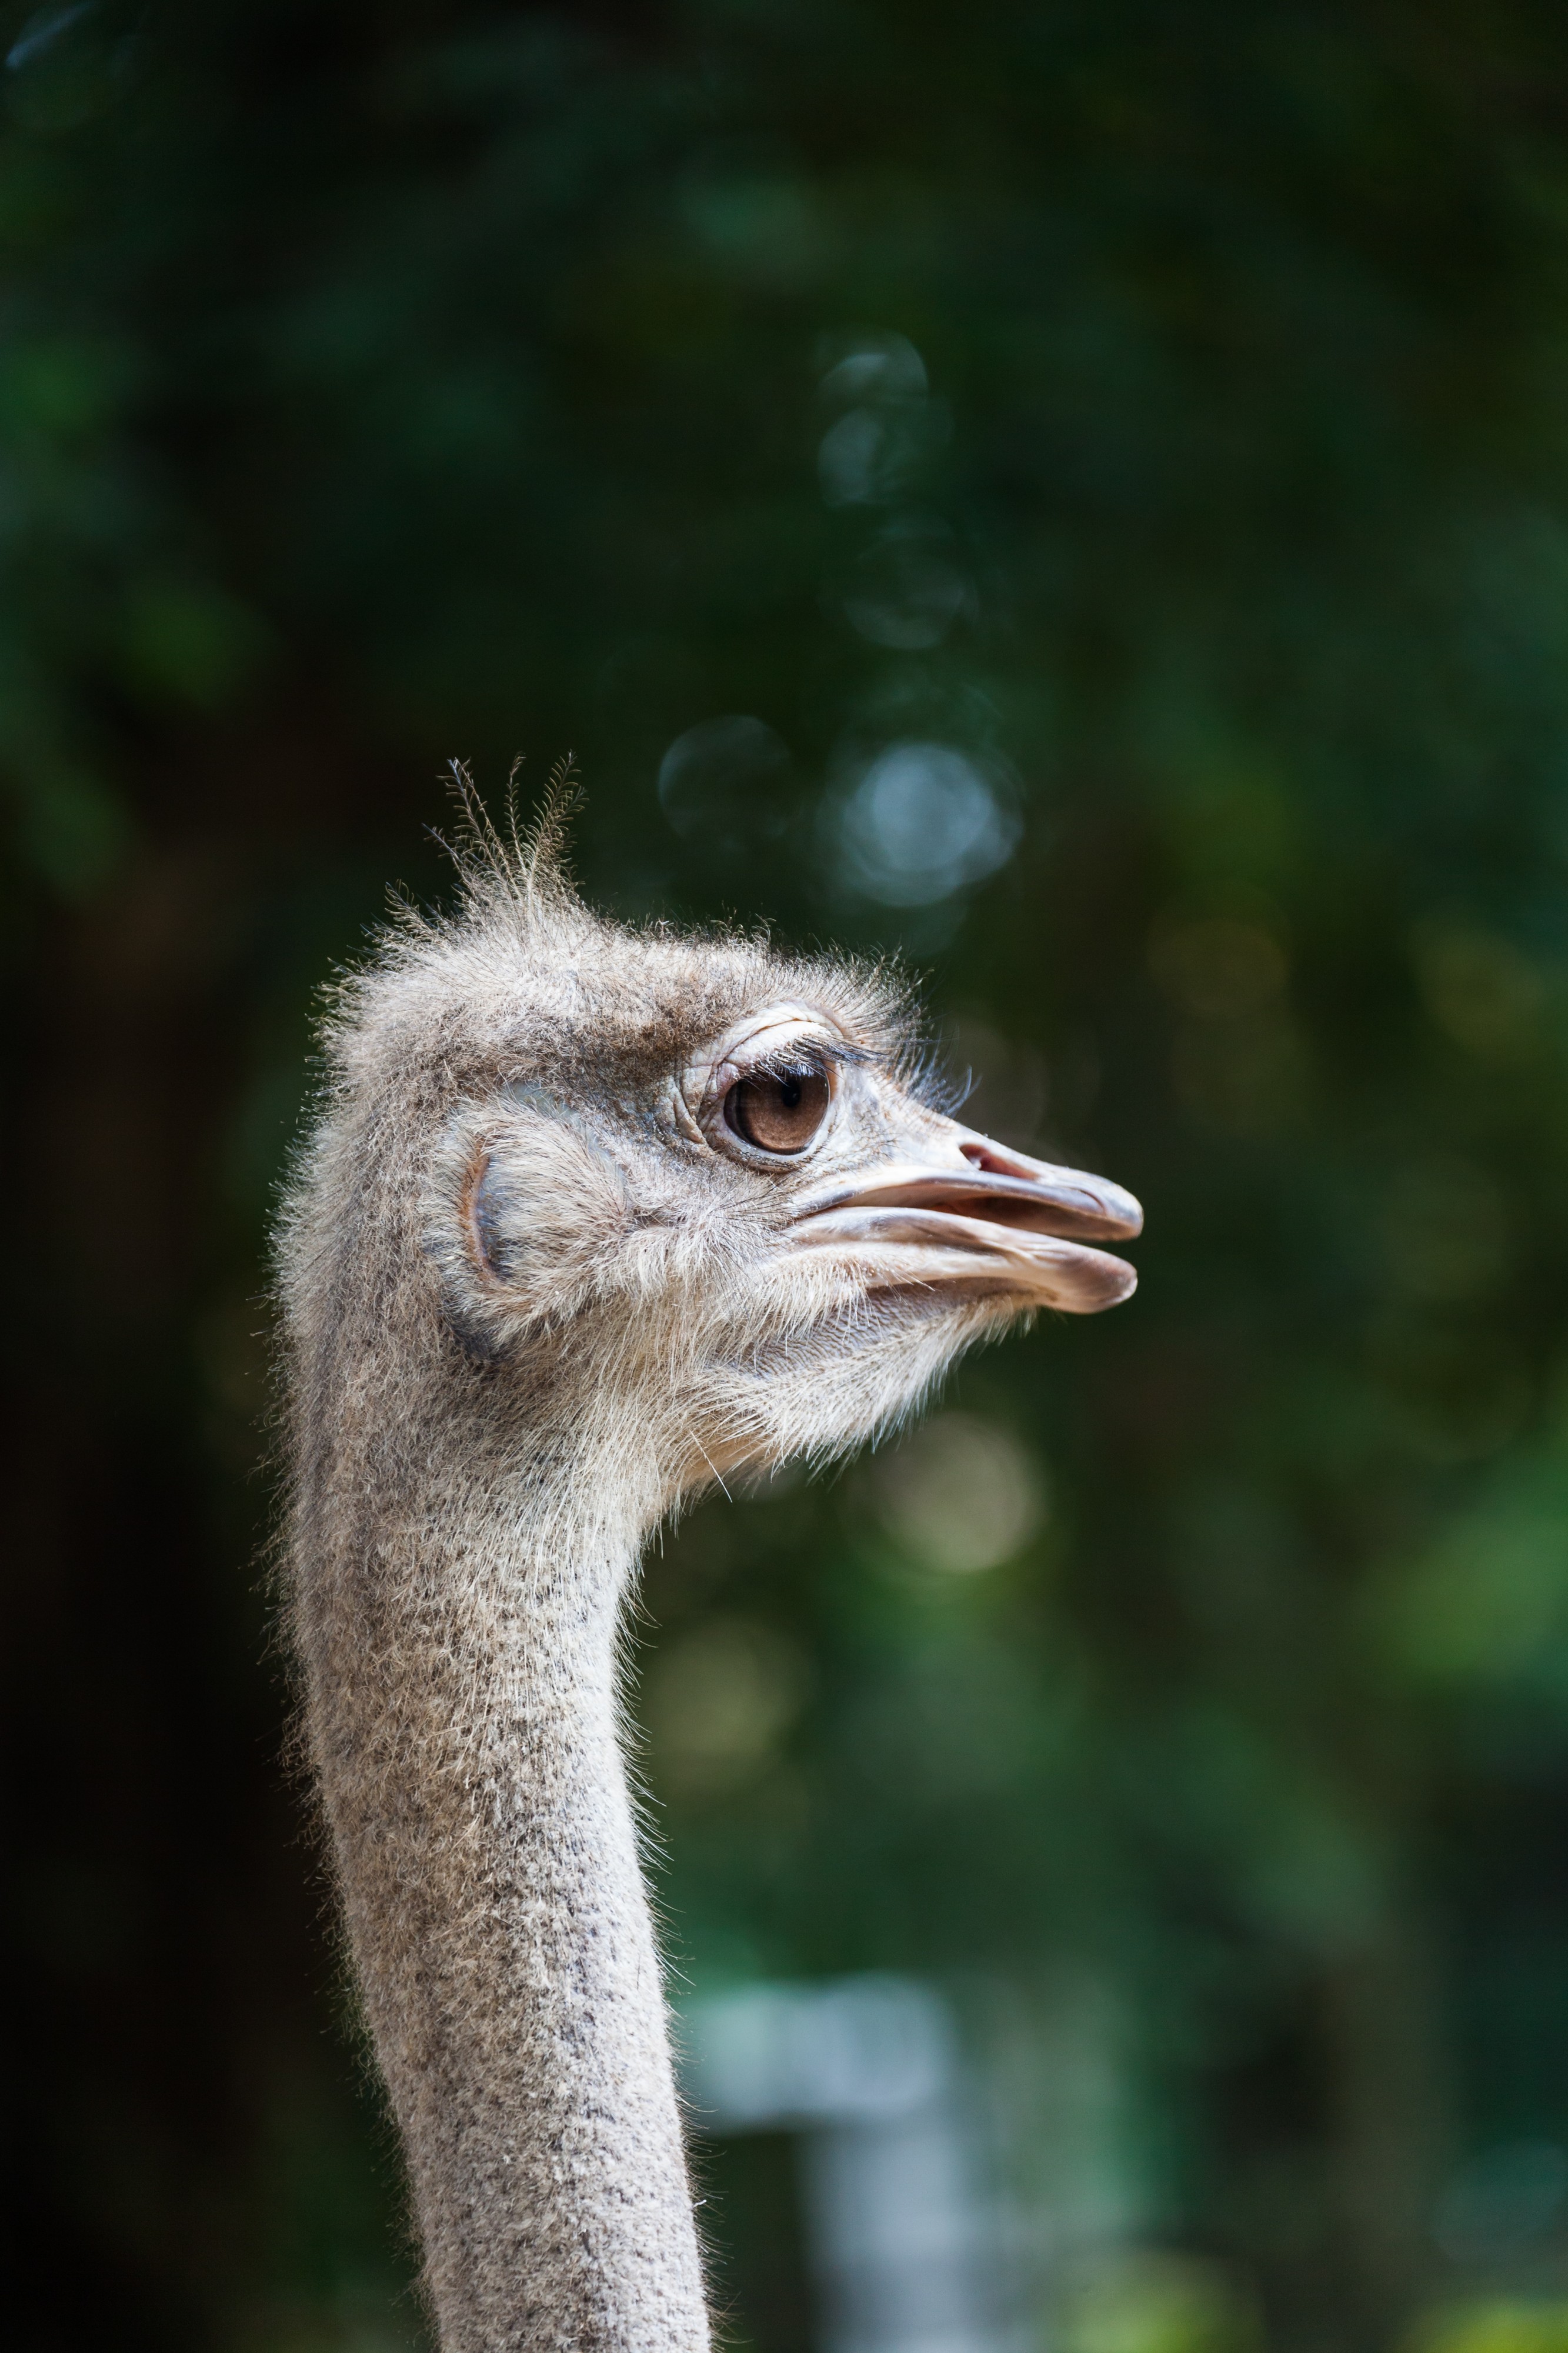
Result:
x=457 y=1618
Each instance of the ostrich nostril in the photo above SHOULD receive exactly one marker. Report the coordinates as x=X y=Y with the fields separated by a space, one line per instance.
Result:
x=992 y=1160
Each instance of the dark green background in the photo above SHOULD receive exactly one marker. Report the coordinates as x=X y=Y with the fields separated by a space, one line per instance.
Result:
x=384 y=383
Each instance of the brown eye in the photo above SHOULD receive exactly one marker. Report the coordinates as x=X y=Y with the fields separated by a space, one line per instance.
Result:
x=779 y=1111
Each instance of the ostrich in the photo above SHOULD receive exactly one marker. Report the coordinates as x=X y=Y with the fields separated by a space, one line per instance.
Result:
x=592 y=1219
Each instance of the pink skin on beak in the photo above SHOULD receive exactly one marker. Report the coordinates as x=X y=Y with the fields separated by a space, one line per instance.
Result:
x=989 y=1218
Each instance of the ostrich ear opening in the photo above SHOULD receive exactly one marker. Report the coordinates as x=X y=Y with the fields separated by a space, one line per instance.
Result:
x=484 y=1219
x=525 y=1209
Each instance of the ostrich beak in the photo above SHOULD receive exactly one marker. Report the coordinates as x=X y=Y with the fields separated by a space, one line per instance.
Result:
x=986 y=1217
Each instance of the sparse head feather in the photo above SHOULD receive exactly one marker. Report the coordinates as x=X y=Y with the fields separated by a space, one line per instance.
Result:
x=520 y=968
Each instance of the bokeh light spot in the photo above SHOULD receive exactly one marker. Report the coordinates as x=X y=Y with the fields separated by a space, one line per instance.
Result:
x=721 y=779
x=925 y=820
x=962 y=1495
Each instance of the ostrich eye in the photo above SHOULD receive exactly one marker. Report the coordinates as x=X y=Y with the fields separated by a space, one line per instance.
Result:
x=779 y=1111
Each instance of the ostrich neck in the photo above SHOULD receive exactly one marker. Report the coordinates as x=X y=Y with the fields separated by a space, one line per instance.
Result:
x=460 y=1651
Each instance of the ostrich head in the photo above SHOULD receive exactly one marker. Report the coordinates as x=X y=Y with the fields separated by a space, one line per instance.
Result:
x=684 y=1187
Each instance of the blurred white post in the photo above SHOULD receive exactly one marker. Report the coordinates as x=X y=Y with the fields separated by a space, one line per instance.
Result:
x=866 y=2070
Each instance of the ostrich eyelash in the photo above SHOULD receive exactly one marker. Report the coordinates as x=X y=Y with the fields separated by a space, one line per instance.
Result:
x=812 y=1060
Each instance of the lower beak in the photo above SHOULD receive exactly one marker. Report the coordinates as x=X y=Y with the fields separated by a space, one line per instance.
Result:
x=987 y=1217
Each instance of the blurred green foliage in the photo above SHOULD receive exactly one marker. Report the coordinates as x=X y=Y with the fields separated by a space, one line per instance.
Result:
x=1159 y=410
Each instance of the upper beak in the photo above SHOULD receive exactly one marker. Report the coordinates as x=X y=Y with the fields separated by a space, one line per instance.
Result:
x=985 y=1215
